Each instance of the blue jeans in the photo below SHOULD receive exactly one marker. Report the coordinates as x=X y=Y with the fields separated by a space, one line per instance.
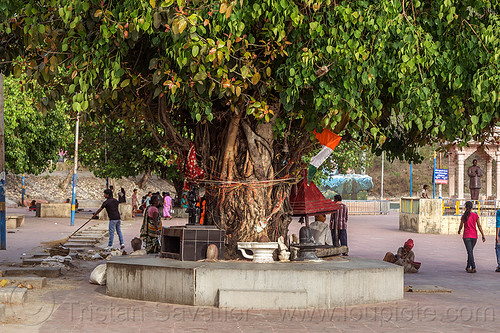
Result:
x=497 y=249
x=469 y=245
x=115 y=224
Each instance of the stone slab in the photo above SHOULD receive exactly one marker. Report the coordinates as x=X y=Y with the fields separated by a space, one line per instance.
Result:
x=19 y=220
x=32 y=261
x=426 y=288
x=262 y=299
x=37 y=255
x=86 y=237
x=350 y=282
x=78 y=245
x=53 y=210
x=85 y=241
x=12 y=295
x=333 y=251
x=50 y=272
x=11 y=223
x=91 y=234
x=36 y=282
x=2 y=311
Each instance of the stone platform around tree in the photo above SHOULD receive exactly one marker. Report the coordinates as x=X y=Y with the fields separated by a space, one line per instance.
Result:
x=240 y=284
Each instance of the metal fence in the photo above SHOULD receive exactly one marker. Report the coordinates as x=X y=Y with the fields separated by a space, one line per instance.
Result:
x=410 y=205
x=481 y=207
x=368 y=207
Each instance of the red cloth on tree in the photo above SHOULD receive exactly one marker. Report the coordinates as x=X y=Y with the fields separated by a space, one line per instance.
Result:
x=192 y=171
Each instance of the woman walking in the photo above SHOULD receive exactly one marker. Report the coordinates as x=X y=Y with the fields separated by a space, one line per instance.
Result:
x=121 y=196
x=167 y=203
x=135 y=203
x=151 y=226
x=469 y=221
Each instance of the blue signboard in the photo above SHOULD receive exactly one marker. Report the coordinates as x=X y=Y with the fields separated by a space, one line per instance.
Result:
x=441 y=176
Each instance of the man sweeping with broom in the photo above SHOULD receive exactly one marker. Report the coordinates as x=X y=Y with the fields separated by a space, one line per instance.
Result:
x=111 y=205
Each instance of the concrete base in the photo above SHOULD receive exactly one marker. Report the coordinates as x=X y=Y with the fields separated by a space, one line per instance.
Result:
x=12 y=295
x=11 y=223
x=325 y=284
x=15 y=221
x=53 y=210
x=51 y=272
x=262 y=299
x=35 y=281
x=2 y=311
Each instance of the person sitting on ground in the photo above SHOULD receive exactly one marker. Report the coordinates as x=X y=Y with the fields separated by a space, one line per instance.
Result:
x=320 y=231
x=136 y=244
x=404 y=257
x=184 y=201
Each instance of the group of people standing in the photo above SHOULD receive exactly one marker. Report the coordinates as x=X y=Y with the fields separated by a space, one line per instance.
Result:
x=151 y=226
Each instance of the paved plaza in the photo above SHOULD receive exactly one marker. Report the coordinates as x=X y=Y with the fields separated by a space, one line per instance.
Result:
x=472 y=306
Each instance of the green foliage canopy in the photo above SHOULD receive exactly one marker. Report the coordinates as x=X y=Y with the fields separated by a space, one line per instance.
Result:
x=114 y=148
x=32 y=139
x=391 y=74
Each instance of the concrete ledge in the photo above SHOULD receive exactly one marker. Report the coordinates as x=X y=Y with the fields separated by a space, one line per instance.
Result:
x=35 y=281
x=327 y=283
x=12 y=295
x=11 y=223
x=53 y=210
x=262 y=299
x=38 y=271
x=15 y=220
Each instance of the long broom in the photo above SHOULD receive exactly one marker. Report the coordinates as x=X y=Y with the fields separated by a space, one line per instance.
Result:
x=60 y=242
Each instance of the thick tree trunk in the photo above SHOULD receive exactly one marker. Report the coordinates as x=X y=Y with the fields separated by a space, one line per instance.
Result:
x=249 y=204
x=144 y=179
x=64 y=184
x=179 y=185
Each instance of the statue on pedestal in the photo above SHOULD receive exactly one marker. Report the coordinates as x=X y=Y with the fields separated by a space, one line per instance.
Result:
x=193 y=207
x=475 y=173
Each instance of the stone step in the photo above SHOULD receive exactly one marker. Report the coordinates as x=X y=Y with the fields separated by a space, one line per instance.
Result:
x=36 y=282
x=72 y=245
x=42 y=255
x=262 y=299
x=87 y=240
x=32 y=261
x=36 y=255
x=12 y=295
x=2 y=311
x=86 y=237
x=50 y=272
x=99 y=235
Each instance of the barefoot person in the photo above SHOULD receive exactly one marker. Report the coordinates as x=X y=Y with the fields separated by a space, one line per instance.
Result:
x=404 y=257
x=151 y=226
x=469 y=221
x=111 y=205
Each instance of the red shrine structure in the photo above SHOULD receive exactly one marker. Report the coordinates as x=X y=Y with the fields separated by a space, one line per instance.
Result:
x=307 y=200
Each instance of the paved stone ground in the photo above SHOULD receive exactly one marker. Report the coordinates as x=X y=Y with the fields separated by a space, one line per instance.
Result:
x=471 y=307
